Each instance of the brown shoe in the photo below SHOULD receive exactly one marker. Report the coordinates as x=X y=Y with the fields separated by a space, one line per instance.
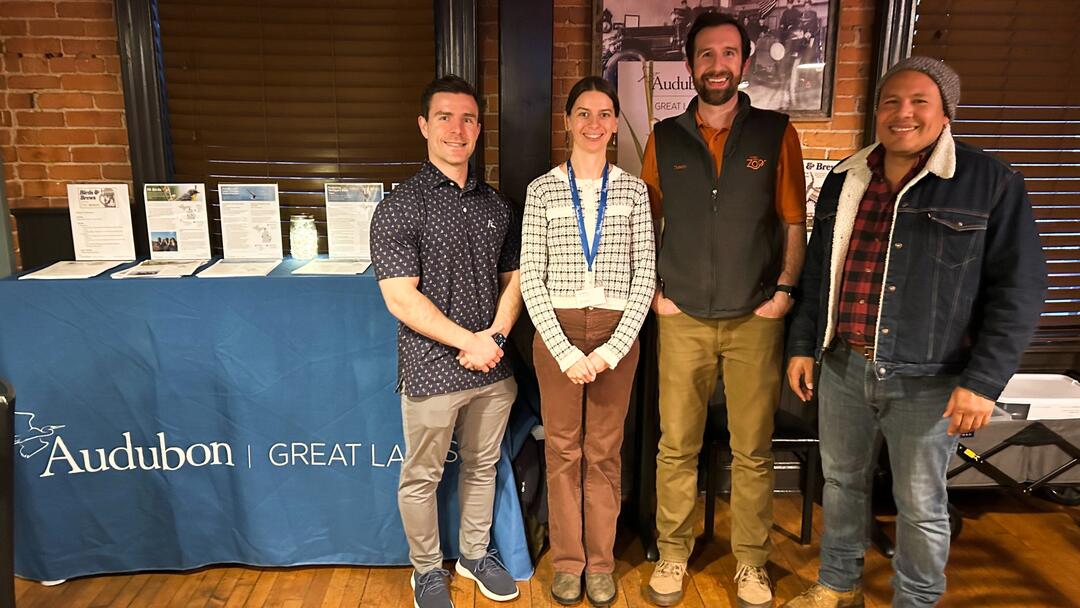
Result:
x=600 y=589
x=566 y=588
x=820 y=596
x=755 y=590
x=665 y=585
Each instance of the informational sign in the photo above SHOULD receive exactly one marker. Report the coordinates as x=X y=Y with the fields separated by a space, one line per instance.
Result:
x=176 y=221
x=250 y=221
x=349 y=208
x=816 y=171
x=101 y=222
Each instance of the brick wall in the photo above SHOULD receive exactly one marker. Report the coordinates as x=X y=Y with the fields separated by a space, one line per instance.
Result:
x=62 y=110
x=834 y=138
x=571 y=57
x=842 y=135
x=488 y=43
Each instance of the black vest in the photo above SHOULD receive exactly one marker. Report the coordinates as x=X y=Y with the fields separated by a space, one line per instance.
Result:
x=722 y=245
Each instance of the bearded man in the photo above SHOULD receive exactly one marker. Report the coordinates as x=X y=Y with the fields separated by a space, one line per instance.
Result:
x=727 y=189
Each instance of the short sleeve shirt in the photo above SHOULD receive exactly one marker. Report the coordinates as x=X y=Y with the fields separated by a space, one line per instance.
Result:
x=456 y=241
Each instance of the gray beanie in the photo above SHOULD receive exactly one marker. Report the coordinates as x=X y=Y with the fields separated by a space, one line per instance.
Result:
x=945 y=77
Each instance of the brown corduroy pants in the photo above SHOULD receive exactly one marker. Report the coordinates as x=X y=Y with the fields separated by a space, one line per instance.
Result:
x=583 y=427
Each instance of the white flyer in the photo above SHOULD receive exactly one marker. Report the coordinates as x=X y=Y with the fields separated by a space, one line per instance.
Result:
x=250 y=221
x=72 y=270
x=159 y=269
x=101 y=222
x=239 y=268
x=176 y=221
x=349 y=208
x=336 y=267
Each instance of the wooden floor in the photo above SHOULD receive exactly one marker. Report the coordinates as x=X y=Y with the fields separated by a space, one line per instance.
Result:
x=1012 y=552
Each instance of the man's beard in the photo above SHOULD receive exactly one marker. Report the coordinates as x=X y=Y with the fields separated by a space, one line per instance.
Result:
x=717 y=97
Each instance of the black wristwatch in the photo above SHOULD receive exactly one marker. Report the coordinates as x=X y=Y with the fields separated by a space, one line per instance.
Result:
x=788 y=289
x=499 y=339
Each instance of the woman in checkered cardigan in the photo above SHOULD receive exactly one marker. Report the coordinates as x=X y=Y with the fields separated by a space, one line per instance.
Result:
x=587 y=322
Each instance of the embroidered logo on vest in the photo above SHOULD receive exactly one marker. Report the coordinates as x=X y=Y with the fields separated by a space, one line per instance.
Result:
x=754 y=162
x=679 y=167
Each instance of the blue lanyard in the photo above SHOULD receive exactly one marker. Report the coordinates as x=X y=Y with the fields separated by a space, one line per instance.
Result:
x=590 y=254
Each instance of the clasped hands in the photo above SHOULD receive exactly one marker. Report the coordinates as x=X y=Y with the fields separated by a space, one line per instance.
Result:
x=481 y=353
x=587 y=368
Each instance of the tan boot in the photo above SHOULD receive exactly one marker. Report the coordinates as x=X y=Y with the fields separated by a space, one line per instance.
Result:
x=566 y=588
x=755 y=590
x=820 y=596
x=665 y=585
x=600 y=589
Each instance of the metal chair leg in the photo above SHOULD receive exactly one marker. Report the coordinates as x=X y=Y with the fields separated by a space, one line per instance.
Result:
x=810 y=482
x=712 y=479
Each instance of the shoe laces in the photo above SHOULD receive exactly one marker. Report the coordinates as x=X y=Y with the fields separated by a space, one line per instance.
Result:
x=432 y=581
x=490 y=561
x=675 y=569
x=755 y=573
x=818 y=592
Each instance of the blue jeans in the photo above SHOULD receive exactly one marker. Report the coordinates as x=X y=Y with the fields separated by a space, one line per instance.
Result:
x=854 y=408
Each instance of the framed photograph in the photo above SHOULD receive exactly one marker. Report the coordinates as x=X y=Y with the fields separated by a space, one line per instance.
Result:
x=792 y=57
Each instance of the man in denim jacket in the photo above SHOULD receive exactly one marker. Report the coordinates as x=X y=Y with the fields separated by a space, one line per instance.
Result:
x=923 y=284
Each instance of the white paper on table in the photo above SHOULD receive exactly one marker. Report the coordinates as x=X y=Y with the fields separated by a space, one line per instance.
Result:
x=73 y=270
x=250 y=221
x=160 y=269
x=176 y=221
x=339 y=266
x=239 y=268
x=101 y=222
x=349 y=208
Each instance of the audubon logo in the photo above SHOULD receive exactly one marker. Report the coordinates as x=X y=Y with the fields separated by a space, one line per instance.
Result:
x=128 y=457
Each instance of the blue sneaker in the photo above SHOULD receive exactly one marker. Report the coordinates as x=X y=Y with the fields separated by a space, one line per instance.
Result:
x=430 y=589
x=490 y=576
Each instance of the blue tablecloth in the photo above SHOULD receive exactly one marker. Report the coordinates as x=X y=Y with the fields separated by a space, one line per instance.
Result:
x=172 y=423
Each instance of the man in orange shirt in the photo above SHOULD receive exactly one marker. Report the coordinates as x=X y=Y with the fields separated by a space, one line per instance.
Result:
x=726 y=186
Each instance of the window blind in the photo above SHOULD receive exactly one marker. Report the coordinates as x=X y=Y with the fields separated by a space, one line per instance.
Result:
x=295 y=92
x=1019 y=66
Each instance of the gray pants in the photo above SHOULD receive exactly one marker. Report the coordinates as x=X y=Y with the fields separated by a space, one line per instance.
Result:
x=477 y=417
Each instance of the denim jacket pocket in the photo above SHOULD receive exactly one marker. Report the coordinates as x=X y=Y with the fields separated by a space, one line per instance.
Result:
x=824 y=220
x=956 y=235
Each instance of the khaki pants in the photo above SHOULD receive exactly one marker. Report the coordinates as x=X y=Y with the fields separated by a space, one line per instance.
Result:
x=583 y=430
x=750 y=350
x=477 y=417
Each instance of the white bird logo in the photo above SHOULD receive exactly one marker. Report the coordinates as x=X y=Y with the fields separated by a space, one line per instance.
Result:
x=35 y=438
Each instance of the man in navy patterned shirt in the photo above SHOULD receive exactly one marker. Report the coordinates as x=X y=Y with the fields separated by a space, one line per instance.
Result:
x=445 y=252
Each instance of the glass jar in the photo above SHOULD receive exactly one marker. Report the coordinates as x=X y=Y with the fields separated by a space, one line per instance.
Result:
x=303 y=237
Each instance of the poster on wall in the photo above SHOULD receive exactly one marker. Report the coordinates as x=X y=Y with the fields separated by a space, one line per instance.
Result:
x=792 y=44
x=815 y=172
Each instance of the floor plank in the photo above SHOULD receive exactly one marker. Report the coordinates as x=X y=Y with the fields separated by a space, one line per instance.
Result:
x=1012 y=552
